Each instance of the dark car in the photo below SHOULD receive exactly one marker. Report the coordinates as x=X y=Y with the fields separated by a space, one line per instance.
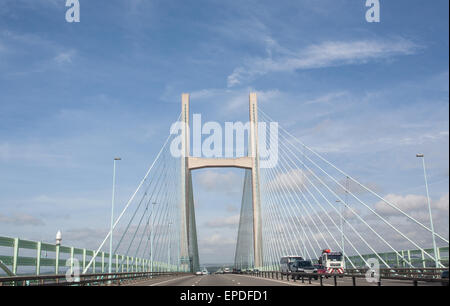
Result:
x=306 y=267
x=444 y=276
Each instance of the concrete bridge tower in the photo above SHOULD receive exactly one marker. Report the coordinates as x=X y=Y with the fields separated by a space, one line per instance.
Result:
x=189 y=246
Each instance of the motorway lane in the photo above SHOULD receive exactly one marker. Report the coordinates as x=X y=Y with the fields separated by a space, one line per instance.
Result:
x=240 y=280
x=227 y=280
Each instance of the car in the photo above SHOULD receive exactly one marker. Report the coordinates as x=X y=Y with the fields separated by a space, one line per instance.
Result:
x=198 y=273
x=444 y=276
x=287 y=263
x=237 y=271
x=305 y=266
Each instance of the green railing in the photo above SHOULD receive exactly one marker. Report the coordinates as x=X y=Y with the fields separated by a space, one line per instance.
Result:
x=18 y=256
x=416 y=257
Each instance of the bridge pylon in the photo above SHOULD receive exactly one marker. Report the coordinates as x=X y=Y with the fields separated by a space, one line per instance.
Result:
x=189 y=246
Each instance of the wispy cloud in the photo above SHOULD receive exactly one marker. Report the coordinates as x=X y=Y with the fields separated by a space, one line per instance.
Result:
x=32 y=152
x=230 y=222
x=215 y=181
x=326 y=54
x=411 y=203
x=21 y=220
x=327 y=98
x=65 y=57
x=220 y=246
x=287 y=181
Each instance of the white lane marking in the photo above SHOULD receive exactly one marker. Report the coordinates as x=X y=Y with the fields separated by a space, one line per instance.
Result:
x=291 y=283
x=170 y=280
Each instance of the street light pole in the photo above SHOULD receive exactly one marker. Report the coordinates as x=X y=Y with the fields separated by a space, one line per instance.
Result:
x=429 y=209
x=169 y=249
x=112 y=215
x=342 y=230
x=151 y=237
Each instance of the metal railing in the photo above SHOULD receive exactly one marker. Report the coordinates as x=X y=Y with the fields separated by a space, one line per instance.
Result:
x=112 y=279
x=416 y=257
x=57 y=256
x=412 y=276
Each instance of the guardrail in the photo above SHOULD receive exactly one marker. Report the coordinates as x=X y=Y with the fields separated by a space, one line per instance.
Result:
x=415 y=276
x=400 y=259
x=59 y=258
x=115 y=279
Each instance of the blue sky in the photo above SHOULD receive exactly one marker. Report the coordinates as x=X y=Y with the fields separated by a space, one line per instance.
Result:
x=73 y=96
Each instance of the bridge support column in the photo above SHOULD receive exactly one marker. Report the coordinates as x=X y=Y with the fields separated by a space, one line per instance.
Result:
x=189 y=247
x=257 y=226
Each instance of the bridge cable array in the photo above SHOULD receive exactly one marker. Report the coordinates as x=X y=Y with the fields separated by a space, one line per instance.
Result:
x=305 y=209
x=149 y=235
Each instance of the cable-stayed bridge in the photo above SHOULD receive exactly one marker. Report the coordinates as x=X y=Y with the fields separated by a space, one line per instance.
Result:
x=294 y=203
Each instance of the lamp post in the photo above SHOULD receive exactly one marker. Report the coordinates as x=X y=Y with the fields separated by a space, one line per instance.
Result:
x=112 y=214
x=151 y=237
x=169 y=249
x=429 y=209
x=58 y=238
x=342 y=231
x=58 y=246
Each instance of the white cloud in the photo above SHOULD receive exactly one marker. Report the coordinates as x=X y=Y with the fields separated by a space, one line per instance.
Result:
x=32 y=152
x=442 y=204
x=217 y=244
x=230 y=222
x=21 y=220
x=216 y=181
x=291 y=180
x=355 y=188
x=410 y=203
x=232 y=208
x=232 y=100
x=326 y=54
x=327 y=98
x=64 y=57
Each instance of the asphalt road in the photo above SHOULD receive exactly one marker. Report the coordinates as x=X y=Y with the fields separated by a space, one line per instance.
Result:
x=230 y=280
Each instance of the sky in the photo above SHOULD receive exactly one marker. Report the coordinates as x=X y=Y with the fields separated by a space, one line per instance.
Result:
x=368 y=96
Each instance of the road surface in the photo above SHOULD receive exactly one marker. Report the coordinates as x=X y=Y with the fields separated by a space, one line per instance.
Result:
x=240 y=280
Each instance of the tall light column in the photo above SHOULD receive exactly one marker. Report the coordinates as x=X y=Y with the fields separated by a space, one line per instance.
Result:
x=436 y=260
x=342 y=228
x=112 y=214
x=169 y=249
x=152 y=236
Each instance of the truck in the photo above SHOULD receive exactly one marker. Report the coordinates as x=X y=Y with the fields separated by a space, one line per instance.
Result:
x=331 y=262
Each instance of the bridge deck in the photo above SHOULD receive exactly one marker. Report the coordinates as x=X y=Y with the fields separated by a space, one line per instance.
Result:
x=240 y=280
